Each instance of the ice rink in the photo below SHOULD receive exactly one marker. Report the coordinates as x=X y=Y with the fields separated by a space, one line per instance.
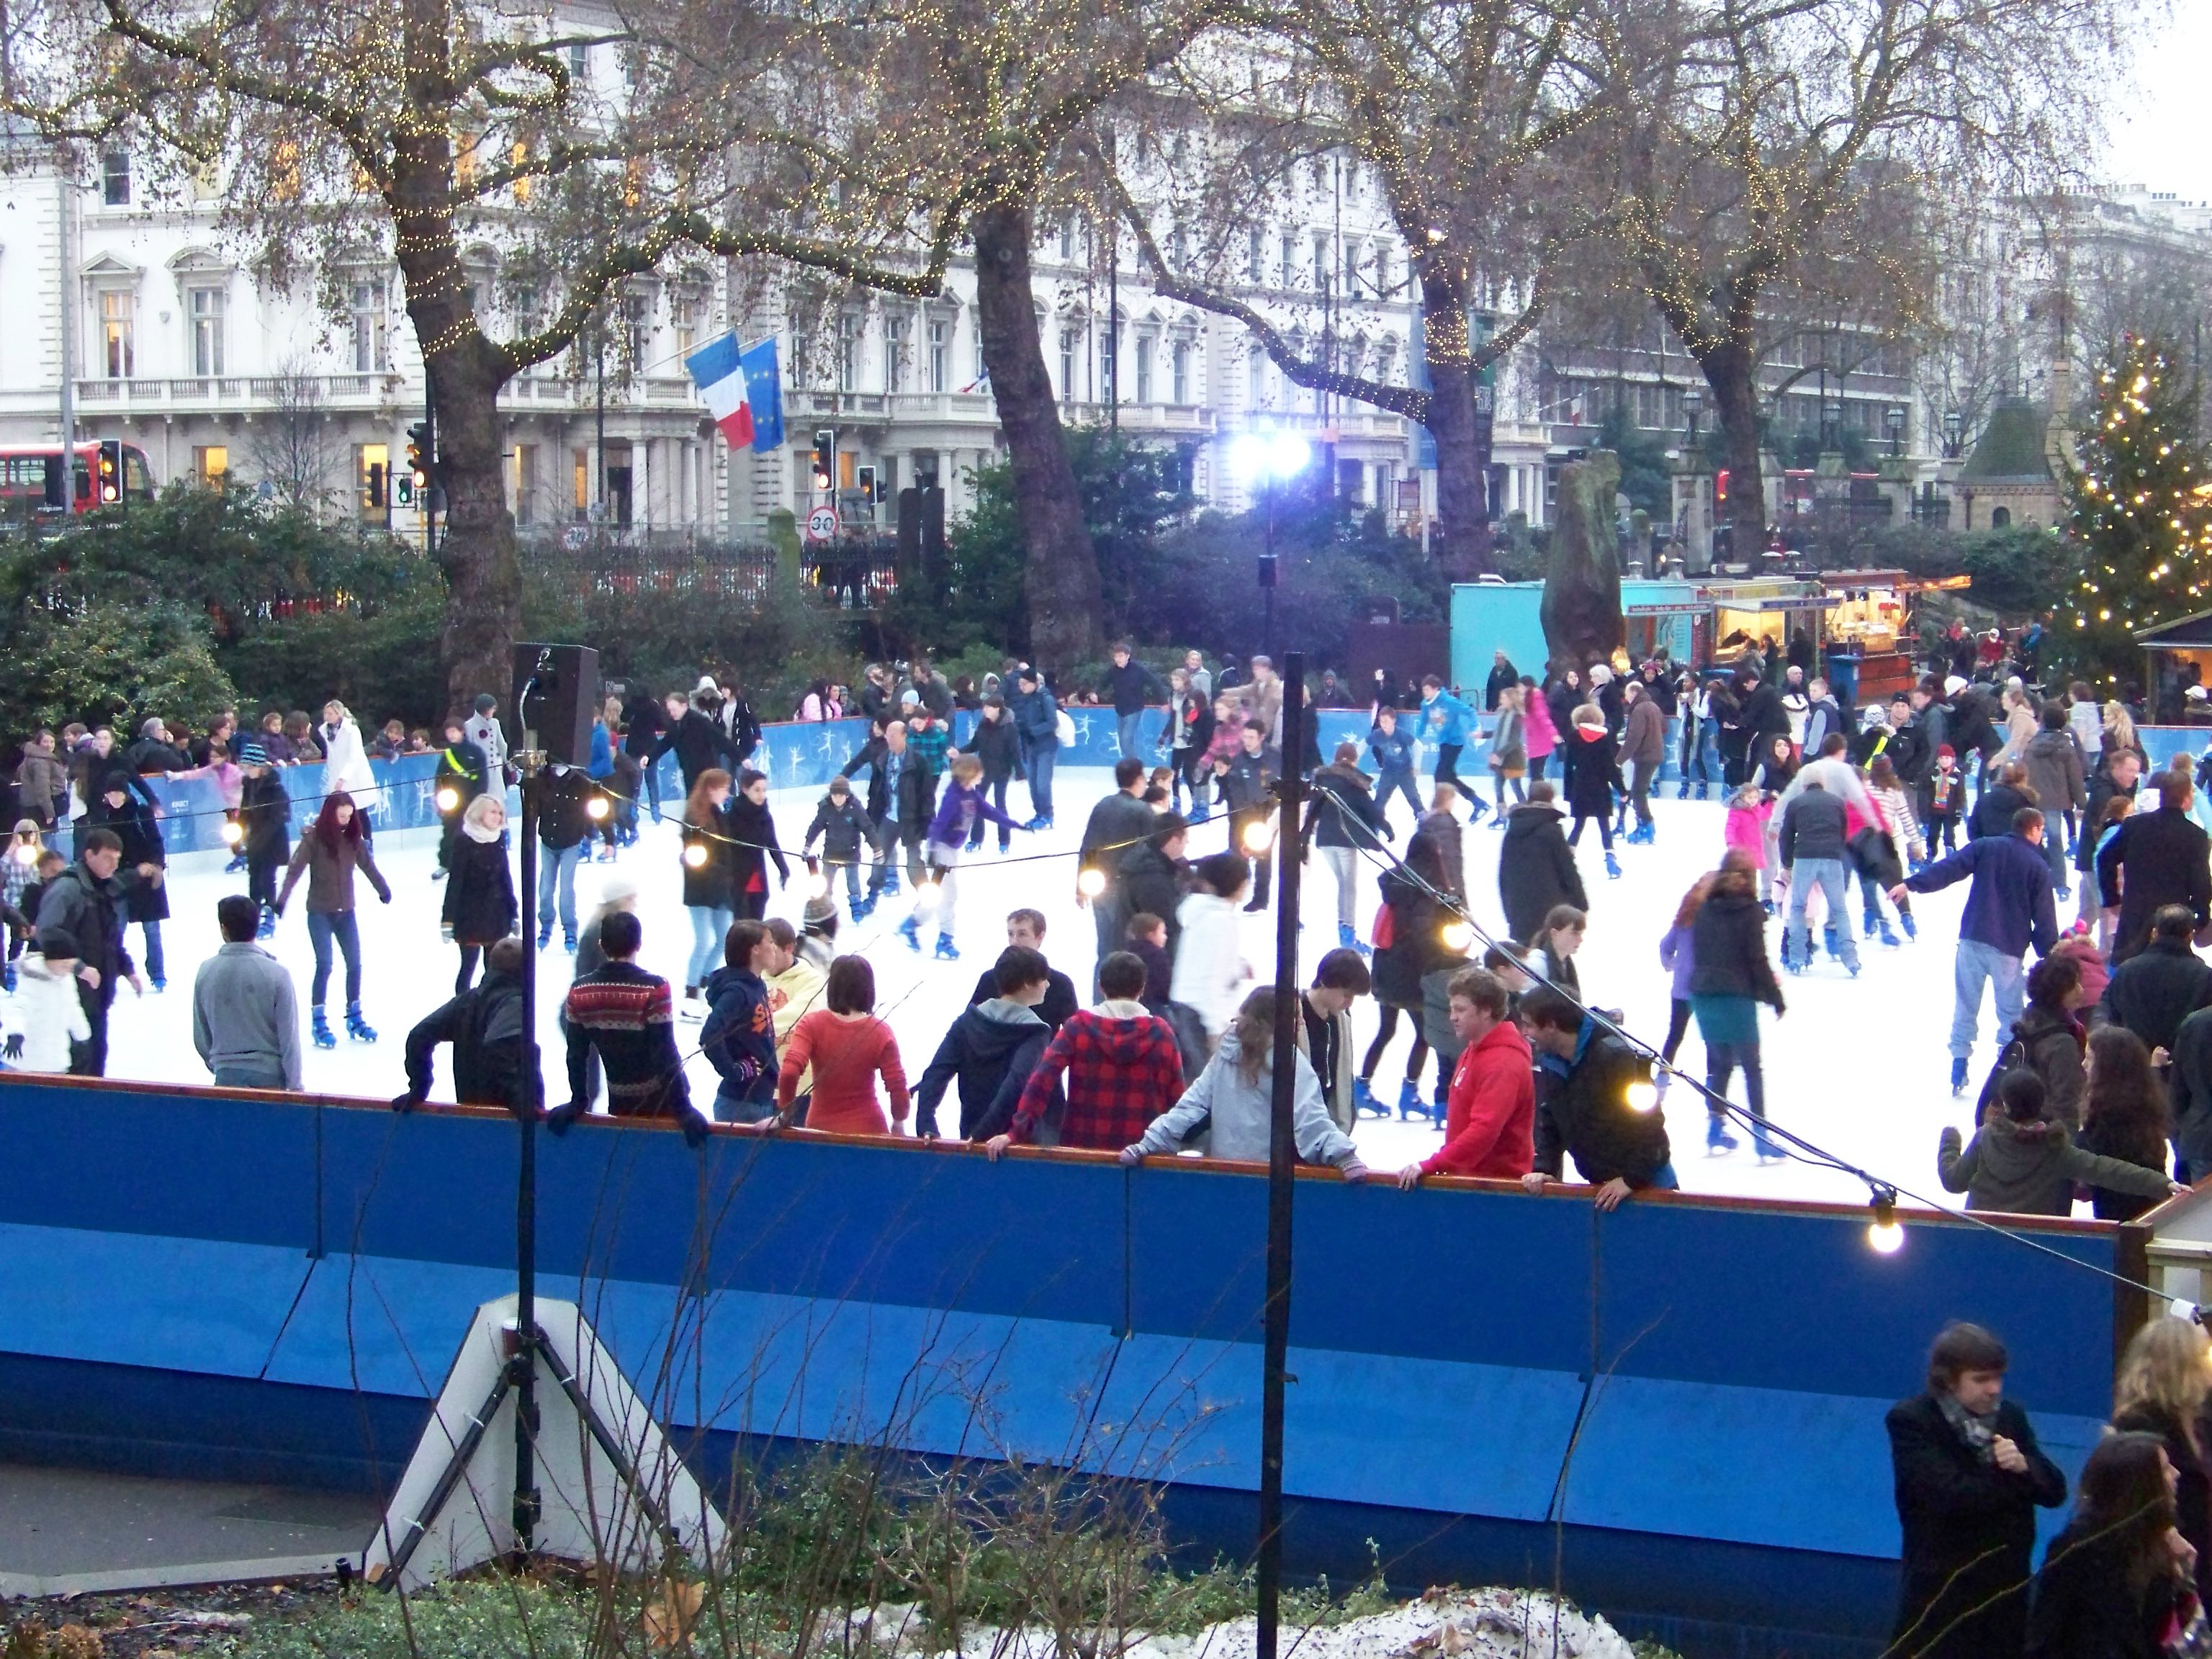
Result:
x=1857 y=1066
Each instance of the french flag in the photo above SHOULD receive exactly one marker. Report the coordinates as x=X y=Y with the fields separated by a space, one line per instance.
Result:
x=742 y=391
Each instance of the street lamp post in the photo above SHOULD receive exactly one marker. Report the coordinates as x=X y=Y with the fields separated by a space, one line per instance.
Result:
x=1268 y=458
x=1893 y=418
x=1693 y=404
x=1954 y=427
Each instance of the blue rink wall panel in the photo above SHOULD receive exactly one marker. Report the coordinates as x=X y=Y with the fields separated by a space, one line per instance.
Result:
x=804 y=756
x=1703 y=1376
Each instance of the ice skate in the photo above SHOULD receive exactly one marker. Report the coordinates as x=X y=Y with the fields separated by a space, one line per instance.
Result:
x=1718 y=1140
x=1612 y=867
x=1364 y=1102
x=1410 y=1103
x=357 y=1028
x=325 y=1037
x=911 y=934
x=1905 y=920
x=946 y=950
x=1957 y=1078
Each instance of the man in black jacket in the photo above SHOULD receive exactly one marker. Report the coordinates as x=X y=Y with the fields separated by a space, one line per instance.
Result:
x=1246 y=782
x=484 y=1025
x=1151 y=874
x=1129 y=686
x=2161 y=985
x=642 y=725
x=1117 y=823
x=1814 y=846
x=85 y=901
x=1503 y=673
x=1594 y=1103
x=464 y=772
x=900 y=798
x=1969 y=1478
x=696 y=736
x=2122 y=775
x=991 y=1049
x=2157 y=859
x=564 y=825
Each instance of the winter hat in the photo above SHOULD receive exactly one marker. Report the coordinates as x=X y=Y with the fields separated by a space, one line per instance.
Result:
x=1953 y=686
x=252 y=754
x=819 y=913
x=2197 y=694
x=1944 y=751
x=706 y=685
x=486 y=702
x=908 y=697
x=55 y=943
x=618 y=888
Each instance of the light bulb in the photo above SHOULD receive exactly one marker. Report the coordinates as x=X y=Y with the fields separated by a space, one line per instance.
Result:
x=694 y=855
x=1457 y=936
x=449 y=798
x=822 y=885
x=1090 y=883
x=1259 y=836
x=25 y=853
x=232 y=834
x=1884 y=1236
x=596 y=809
x=1643 y=1096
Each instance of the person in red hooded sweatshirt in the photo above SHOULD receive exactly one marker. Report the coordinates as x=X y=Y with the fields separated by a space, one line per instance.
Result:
x=1491 y=1113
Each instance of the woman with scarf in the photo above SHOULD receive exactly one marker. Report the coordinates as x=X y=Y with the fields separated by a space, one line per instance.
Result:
x=480 y=908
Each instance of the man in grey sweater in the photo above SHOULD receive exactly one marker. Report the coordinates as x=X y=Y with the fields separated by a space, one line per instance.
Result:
x=246 y=1019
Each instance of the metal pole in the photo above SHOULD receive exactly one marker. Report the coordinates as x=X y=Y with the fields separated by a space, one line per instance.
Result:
x=1282 y=1153
x=1114 y=328
x=67 y=290
x=525 y=1355
x=429 y=460
x=1274 y=572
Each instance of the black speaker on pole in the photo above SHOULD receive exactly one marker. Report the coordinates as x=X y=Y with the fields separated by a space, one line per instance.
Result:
x=557 y=693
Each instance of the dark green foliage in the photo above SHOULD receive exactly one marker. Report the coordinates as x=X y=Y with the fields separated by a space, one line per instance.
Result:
x=107 y=662
x=2017 y=572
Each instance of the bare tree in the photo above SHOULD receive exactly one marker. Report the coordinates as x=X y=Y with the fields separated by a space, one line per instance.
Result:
x=290 y=446
x=1764 y=171
x=433 y=137
x=1468 y=113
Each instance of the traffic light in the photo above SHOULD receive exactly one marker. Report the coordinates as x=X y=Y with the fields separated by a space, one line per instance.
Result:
x=418 y=455
x=867 y=482
x=111 y=472
x=825 y=457
x=376 y=484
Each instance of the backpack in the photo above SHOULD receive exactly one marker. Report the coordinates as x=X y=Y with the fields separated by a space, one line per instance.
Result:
x=1063 y=728
x=2015 y=1053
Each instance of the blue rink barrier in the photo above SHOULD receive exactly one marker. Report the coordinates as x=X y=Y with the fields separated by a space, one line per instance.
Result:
x=1683 y=1399
x=806 y=756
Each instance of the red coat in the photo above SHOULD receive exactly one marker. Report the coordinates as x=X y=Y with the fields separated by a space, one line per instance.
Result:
x=1490 y=1120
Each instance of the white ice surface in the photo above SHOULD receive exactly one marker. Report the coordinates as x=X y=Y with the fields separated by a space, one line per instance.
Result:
x=1858 y=1066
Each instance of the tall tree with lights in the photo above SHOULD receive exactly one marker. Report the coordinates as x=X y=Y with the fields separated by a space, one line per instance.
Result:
x=2139 y=511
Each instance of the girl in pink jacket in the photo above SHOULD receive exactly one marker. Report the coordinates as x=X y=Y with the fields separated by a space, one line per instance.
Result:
x=1538 y=736
x=1746 y=832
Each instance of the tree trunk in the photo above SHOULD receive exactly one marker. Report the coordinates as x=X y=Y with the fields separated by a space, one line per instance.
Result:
x=476 y=544
x=1461 y=535
x=1735 y=403
x=1581 y=607
x=1061 y=566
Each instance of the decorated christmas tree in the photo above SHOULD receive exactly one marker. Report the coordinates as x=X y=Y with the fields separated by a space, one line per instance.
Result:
x=2139 y=514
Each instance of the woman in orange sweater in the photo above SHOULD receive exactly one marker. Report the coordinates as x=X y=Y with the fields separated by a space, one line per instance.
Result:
x=847 y=1045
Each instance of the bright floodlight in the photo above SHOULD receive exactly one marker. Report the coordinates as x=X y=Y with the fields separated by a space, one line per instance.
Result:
x=1255 y=456
x=1248 y=456
x=1287 y=454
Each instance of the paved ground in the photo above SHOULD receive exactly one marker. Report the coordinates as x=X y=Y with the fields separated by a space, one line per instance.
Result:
x=68 y=1532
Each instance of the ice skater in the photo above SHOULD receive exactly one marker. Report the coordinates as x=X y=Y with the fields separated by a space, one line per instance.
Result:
x=957 y=814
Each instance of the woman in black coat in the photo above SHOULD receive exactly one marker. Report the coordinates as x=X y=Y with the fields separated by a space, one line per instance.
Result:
x=1535 y=870
x=1591 y=773
x=1969 y=1478
x=1416 y=946
x=753 y=826
x=1732 y=975
x=480 y=908
x=124 y=806
x=2164 y=1379
x=2113 y=1581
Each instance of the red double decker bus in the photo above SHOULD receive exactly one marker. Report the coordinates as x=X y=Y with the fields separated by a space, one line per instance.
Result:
x=35 y=484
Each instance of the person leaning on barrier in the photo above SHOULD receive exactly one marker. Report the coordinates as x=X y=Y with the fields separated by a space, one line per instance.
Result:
x=627 y=1017
x=1594 y=1110
x=1969 y=1478
x=484 y=1025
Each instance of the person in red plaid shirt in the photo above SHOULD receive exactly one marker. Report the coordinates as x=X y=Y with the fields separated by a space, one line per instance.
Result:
x=1123 y=1068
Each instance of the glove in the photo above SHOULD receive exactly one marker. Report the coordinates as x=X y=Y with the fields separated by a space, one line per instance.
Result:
x=446 y=932
x=558 y=1120
x=1353 y=1169
x=1130 y=1157
x=813 y=865
x=13 y=1048
x=277 y=911
x=384 y=898
x=406 y=1102
x=695 y=1129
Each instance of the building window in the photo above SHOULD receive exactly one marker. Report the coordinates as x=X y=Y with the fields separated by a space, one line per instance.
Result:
x=1256 y=376
x=526 y=484
x=205 y=305
x=115 y=178
x=366 y=320
x=802 y=359
x=1144 y=368
x=1067 y=239
x=118 y=313
x=212 y=465
x=1320 y=265
x=580 y=61
x=1068 y=341
x=982 y=370
x=1255 y=256
x=686 y=318
x=374 y=469
x=580 y=462
x=1178 y=248
x=940 y=356
x=1290 y=259
x=1179 y=372
x=1382 y=269
x=637 y=328
x=895 y=352
x=849 y=351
